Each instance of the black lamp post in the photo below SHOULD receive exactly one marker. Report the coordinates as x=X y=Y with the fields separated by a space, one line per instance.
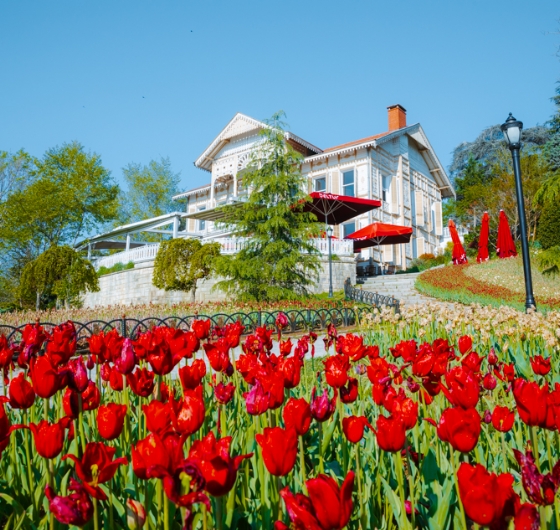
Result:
x=329 y=235
x=512 y=133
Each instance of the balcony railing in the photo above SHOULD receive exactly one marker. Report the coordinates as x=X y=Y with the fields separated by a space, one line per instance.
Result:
x=230 y=245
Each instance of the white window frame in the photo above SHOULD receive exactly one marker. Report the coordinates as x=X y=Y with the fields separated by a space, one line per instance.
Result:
x=344 y=186
x=316 y=179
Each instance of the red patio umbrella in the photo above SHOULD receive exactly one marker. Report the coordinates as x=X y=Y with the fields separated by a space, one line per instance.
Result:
x=483 y=239
x=458 y=255
x=336 y=209
x=380 y=234
x=505 y=248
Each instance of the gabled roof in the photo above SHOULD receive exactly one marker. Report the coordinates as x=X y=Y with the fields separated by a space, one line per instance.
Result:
x=417 y=134
x=238 y=125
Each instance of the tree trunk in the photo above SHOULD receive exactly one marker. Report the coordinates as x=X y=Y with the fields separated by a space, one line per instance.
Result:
x=38 y=301
x=193 y=294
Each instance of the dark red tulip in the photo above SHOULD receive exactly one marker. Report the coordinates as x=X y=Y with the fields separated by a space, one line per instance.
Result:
x=5 y=426
x=349 y=393
x=256 y=400
x=321 y=407
x=201 y=328
x=110 y=420
x=489 y=382
x=465 y=344
x=353 y=428
x=45 y=377
x=531 y=402
x=78 y=378
x=96 y=467
x=75 y=509
x=22 y=395
x=141 y=382
x=462 y=388
x=540 y=365
x=218 y=468
x=224 y=393
x=336 y=370
x=48 y=437
x=488 y=498
x=492 y=357
x=297 y=414
x=279 y=449
x=187 y=413
x=527 y=517
x=90 y=363
x=61 y=345
x=126 y=361
x=460 y=427
x=191 y=376
x=541 y=489
x=502 y=419
x=158 y=416
x=390 y=433
x=91 y=398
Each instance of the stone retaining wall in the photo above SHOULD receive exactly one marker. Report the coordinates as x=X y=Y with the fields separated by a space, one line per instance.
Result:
x=134 y=286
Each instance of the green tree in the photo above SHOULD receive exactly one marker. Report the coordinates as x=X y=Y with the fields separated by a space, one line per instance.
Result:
x=278 y=259
x=16 y=172
x=548 y=232
x=149 y=190
x=181 y=263
x=60 y=272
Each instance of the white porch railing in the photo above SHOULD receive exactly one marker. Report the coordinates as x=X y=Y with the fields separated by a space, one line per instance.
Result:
x=230 y=245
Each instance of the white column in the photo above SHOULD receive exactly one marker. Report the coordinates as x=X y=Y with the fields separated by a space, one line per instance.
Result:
x=235 y=183
x=127 y=242
x=175 y=226
x=89 y=251
x=211 y=205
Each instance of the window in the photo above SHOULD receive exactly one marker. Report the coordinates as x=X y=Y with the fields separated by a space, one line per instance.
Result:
x=320 y=183
x=201 y=222
x=348 y=228
x=348 y=183
x=386 y=188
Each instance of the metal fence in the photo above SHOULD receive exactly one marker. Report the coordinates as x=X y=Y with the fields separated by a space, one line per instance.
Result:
x=367 y=297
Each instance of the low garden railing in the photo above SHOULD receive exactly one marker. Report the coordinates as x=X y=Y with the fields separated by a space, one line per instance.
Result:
x=367 y=297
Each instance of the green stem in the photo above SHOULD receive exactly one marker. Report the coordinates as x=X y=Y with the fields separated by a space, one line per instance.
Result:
x=399 y=471
x=461 y=507
x=95 y=515
x=302 y=466
x=220 y=512
x=165 y=512
x=362 y=513
x=159 y=502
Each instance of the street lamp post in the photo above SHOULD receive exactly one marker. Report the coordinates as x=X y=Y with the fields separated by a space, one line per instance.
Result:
x=329 y=235
x=512 y=132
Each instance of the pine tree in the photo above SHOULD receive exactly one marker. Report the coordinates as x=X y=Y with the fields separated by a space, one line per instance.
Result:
x=278 y=259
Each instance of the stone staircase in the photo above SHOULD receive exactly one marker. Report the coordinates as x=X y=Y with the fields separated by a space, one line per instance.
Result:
x=401 y=286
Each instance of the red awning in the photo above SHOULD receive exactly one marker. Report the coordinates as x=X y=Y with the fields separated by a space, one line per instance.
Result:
x=336 y=209
x=380 y=234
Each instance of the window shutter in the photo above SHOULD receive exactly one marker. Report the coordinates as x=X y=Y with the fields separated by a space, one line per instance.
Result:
x=191 y=225
x=419 y=208
x=387 y=253
x=394 y=196
x=420 y=246
x=439 y=220
x=335 y=182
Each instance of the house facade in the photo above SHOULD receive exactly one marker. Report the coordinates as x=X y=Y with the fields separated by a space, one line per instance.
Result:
x=398 y=167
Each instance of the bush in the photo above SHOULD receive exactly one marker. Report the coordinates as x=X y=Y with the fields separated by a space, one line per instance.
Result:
x=117 y=267
x=548 y=230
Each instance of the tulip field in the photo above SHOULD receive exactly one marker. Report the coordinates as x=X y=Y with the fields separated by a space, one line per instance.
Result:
x=437 y=417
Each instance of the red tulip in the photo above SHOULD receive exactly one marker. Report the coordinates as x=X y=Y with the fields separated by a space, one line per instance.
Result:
x=540 y=365
x=78 y=378
x=90 y=400
x=472 y=362
x=32 y=339
x=460 y=427
x=191 y=376
x=489 y=382
x=378 y=370
x=349 y=393
x=405 y=349
x=181 y=343
x=492 y=357
x=297 y=414
x=531 y=402
x=161 y=359
x=22 y=395
x=116 y=380
x=96 y=467
x=352 y=346
x=45 y=377
x=218 y=354
x=61 y=345
x=285 y=347
x=502 y=419
x=49 y=437
x=390 y=433
x=224 y=393
x=279 y=449
x=75 y=509
x=110 y=420
x=291 y=370
x=218 y=468
x=321 y=407
x=488 y=498
x=201 y=328
x=541 y=489
x=158 y=416
x=509 y=372
x=463 y=388
x=256 y=400
x=336 y=370
x=232 y=333
x=149 y=452
x=527 y=517
x=126 y=361
x=141 y=382
x=406 y=409
x=353 y=428
x=187 y=414
x=5 y=426
x=465 y=344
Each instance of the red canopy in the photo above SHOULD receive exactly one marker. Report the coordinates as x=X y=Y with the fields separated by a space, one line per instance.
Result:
x=458 y=256
x=483 y=239
x=505 y=247
x=380 y=234
x=336 y=209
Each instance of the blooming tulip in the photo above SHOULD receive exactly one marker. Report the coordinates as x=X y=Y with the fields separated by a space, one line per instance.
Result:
x=48 y=437
x=541 y=489
x=148 y=452
x=349 y=393
x=191 y=376
x=161 y=359
x=91 y=398
x=390 y=433
x=297 y=414
x=321 y=407
x=218 y=354
x=336 y=370
x=187 y=414
x=352 y=346
x=75 y=509
x=45 y=377
x=527 y=517
x=291 y=370
x=279 y=449
x=22 y=395
x=224 y=393
x=353 y=428
x=502 y=419
x=110 y=420
x=531 y=401
x=181 y=343
x=540 y=365
x=406 y=409
x=141 y=382
x=463 y=388
x=460 y=427
x=201 y=328
x=158 y=416
x=465 y=344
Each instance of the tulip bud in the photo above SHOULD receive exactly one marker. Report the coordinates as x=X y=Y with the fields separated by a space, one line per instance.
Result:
x=126 y=362
x=492 y=357
x=489 y=382
x=487 y=418
x=105 y=372
x=90 y=364
x=413 y=386
x=135 y=514
x=465 y=344
x=78 y=375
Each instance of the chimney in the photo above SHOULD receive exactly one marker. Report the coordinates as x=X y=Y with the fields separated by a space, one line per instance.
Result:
x=397 y=117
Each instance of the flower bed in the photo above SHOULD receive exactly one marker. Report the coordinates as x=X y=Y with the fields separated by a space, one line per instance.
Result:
x=426 y=419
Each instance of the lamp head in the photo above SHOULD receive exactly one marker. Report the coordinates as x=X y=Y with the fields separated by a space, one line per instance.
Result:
x=329 y=231
x=512 y=132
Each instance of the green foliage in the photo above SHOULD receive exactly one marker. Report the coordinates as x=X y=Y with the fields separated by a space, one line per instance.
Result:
x=427 y=261
x=278 y=260
x=60 y=272
x=549 y=261
x=548 y=231
x=149 y=190
x=16 y=172
x=117 y=267
x=181 y=263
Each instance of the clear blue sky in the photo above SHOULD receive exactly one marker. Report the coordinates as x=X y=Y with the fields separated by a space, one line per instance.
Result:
x=136 y=80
